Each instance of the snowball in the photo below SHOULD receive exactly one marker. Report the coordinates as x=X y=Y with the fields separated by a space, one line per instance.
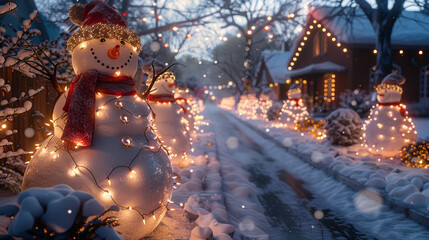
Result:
x=232 y=143
x=60 y=214
x=92 y=207
x=2 y=82
x=368 y=201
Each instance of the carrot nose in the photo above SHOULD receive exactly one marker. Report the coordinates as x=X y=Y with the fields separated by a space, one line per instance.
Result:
x=113 y=53
x=171 y=85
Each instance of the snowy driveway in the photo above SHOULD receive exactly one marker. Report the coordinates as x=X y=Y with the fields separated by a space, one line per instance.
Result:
x=300 y=202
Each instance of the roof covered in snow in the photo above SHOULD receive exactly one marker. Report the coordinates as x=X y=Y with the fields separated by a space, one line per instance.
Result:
x=316 y=68
x=276 y=63
x=411 y=28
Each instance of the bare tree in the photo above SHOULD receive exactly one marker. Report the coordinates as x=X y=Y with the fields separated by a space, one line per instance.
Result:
x=382 y=15
x=250 y=18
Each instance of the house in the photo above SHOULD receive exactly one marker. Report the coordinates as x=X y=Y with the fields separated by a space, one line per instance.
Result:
x=272 y=70
x=332 y=54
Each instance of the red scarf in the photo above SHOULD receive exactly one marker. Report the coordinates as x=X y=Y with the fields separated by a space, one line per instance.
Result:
x=397 y=104
x=296 y=101
x=165 y=98
x=80 y=103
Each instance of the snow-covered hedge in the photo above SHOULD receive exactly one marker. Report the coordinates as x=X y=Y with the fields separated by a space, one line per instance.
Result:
x=344 y=127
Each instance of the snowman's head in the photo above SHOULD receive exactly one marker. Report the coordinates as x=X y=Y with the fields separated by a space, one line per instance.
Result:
x=389 y=90
x=164 y=85
x=110 y=57
x=103 y=42
x=388 y=93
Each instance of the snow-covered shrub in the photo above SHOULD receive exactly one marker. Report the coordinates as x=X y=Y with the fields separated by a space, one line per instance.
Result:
x=416 y=155
x=357 y=100
x=344 y=127
x=59 y=213
x=273 y=112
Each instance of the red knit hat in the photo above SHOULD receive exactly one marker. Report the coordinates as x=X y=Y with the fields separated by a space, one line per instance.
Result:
x=99 y=20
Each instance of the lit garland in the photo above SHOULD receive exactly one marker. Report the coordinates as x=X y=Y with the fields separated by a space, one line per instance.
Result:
x=305 y=39
x=315 y=127
x=392 y=87
x=416 y=155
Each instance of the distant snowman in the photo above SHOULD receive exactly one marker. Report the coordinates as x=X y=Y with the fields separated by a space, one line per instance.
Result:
x=388 y=127
x=169 y=118
x=103 y=141
x=293 y=111
x=185 y=100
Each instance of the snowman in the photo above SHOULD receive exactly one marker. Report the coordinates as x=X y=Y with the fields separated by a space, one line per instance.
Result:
x=169 y=120
x=185 y=101
x=293 y=111
x=103 y=141
x=388 y=127
x=265 y=103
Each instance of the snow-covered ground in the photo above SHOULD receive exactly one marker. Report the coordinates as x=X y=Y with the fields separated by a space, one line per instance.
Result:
x=303 y=202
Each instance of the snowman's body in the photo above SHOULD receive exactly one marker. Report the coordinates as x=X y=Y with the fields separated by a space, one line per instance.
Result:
x=169 y=120
x=388 y=127
x=125 y=164
x=293 y=111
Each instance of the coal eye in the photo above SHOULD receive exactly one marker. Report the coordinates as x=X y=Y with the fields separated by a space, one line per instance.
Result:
x=122 y=42
x=102 y=40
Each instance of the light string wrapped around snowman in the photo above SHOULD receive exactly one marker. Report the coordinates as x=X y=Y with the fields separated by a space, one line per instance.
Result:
x=293 y=111
x=389 y=127
x=104 y=142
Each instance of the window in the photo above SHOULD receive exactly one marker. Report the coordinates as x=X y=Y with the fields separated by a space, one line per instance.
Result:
x=320 y=44
x=424 y=84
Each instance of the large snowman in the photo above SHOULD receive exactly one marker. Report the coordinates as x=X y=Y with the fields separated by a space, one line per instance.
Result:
x=388 y=127
x=169 y=120
x=103 y=142
x=293 y=110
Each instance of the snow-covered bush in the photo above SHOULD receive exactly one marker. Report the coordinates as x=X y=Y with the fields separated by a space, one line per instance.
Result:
x=344 y=127
x=59 y=213
x=273 y=112
x=357 y=100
